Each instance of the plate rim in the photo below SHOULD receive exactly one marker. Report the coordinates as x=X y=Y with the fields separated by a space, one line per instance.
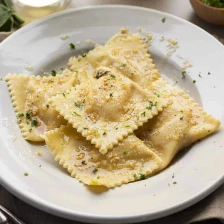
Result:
x=56 y=210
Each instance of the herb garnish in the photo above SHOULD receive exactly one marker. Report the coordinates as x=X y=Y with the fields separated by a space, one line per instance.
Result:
x=78 y=105
x=143 y=113
x=53 y=73
x=174 y=182
x=111 y=94
x=164 y=20
x=72 y=46
x=99 y=74
x=34 y=123
x=28 y=115
x=123 y=64
x=76 y=114
x=26 y=174
x=209 y=73
x=151 y=104
x=125 y=153
x=183 y=74
x=84 y=55
x=112 y=76
x=142 y=176
x=20 y=114
x=194 y=81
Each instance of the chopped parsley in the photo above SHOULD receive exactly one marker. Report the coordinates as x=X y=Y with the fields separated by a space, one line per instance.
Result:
x=143 y=113
x=142 y=176
x=76 y=114
x=72 y=46
x=85 y=128
x=20 y=114
x=163 y=19
x=200 y=75
x=125 y=153
x=112 y=76
x=99 y=74
x=209 y=73
x=111 y=94
x=78 y=105
x=53 y=73
x=151 y=104
x=34 y=123
x=194 y=81
x=26 y=174
x=95 y=170
x=183 y=74
x=174 y=182
x=64 y=95
x=28 y=115
x=84 y=55
x=123 y=64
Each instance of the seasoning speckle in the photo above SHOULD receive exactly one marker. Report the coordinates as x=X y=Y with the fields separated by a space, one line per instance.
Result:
x=72 y=46
x=53 y=73
x=64 y=36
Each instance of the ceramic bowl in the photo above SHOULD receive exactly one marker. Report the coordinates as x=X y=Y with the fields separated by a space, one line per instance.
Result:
x=208 y=13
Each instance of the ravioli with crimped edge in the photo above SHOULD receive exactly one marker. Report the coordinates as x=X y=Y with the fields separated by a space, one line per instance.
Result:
x=107 y=110
x=129 y=161
x=29 y=96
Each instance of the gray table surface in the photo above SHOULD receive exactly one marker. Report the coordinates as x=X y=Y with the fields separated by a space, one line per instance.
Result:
x=201 y=210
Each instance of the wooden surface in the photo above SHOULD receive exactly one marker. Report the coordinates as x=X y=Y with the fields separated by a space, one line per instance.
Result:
x=208 y=208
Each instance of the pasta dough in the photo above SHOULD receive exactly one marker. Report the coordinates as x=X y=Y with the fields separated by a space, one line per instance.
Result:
x=179 y=125
x=29 y=95
x=109 y=109
x=130 y=160
x=126 y=54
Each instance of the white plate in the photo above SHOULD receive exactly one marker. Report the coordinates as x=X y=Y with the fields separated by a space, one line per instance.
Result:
x=198 y=171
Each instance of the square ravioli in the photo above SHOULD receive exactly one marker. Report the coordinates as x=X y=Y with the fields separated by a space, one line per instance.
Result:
x=129 y=161
x=125 y=53
x=109 y=109
x=30 y=94
x=178 y=126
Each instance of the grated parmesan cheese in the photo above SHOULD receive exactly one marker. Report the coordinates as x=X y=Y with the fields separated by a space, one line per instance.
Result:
x=29 y=67
x=5 y=122
x=64 y=36
x=11 y=137
x=172 y=46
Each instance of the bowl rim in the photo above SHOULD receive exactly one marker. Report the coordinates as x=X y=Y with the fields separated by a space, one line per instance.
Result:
x=208 y=6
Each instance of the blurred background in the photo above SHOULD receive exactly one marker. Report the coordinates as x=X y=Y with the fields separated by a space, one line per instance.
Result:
x=204 y=13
